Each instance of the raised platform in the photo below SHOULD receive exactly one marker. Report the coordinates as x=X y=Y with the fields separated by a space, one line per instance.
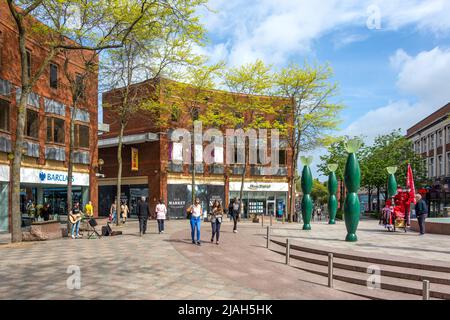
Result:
x=433 y=225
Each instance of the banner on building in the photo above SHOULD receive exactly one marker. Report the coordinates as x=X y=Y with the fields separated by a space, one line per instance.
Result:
x=134 y=159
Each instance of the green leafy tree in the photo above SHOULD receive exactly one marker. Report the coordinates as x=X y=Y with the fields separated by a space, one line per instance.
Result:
x=319 y=192
x=315 y=115
x=100 y=24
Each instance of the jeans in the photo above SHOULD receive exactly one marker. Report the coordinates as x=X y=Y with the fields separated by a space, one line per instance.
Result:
x=235 y=219
x=114 y=217
x=76 y=227
x=142 y=224
x=215 y=230
x=421 y=222
x=160 y=225
x=195 y=225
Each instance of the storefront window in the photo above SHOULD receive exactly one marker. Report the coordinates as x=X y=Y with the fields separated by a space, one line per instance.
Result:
x=4 y=204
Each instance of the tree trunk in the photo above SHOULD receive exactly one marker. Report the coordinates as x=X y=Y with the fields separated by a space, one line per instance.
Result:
x=16 y=215
x=378 y=199
x=293 y=186
x=70 y=163
x=119 y=172
x=369 y=199
x=241 y=191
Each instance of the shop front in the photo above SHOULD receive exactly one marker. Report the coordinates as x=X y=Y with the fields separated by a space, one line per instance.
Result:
x=261 y=198
x=39 y=186
x=130 y=194
x=179 y=197
x=4 y=197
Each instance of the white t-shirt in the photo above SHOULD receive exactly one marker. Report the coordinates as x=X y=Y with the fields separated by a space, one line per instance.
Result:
x=197 y=210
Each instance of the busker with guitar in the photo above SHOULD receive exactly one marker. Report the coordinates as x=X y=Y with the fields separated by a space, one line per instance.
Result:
x=75 y=216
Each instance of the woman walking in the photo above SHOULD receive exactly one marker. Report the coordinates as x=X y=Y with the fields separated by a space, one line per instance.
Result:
x=161 y=211
x=196 y=216
x=216 y=220
x=124 y=211
x=113 y=213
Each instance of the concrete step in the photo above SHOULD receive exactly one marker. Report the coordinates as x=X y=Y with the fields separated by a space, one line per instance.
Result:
x=393 y=284
x=403 y=262
x=386 y=270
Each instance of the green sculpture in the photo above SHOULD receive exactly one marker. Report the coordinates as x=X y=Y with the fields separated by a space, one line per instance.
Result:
x=392 y=183
x=307 y=183
x=352 y=180
x=332 y=190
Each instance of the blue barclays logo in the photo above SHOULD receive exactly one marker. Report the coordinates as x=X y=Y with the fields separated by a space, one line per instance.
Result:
x=54 y=177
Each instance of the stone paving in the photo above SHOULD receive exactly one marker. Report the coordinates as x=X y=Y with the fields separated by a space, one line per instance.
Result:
x=168 y=266
x=372 y=238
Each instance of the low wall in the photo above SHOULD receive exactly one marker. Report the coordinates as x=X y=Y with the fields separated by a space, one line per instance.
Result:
x=432 y=227
x=43 y=230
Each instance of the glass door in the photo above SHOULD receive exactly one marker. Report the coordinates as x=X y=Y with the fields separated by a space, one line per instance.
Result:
x=271 y=208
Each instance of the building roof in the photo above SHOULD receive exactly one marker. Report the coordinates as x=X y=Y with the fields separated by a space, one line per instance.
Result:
x=432 y=118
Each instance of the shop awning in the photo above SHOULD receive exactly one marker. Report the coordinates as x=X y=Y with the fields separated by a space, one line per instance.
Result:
x=129 y=139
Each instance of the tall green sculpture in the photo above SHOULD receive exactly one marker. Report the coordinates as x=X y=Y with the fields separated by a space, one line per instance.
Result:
x=392 y=183
x=307 y=183
x=352 y=180
x=332 y=190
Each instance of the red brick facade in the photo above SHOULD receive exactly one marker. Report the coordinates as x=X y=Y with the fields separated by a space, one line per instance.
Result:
x=10 y=71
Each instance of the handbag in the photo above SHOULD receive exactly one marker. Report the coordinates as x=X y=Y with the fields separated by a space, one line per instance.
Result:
x=189 y=212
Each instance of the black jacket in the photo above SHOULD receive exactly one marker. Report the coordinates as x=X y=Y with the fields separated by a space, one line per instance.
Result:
x=142 y=209
x=421 y=208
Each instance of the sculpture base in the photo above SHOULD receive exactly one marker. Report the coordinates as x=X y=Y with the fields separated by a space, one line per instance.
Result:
x=332 y=222
x=351 y=237
x=306 y=226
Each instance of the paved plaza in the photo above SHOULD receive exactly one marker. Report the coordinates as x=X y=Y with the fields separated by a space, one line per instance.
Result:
x=168 y=266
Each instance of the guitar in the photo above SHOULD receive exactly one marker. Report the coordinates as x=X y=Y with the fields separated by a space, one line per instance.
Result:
x=74 y=218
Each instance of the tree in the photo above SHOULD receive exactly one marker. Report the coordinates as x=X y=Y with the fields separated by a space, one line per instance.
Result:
x=315 y=116
x=186 y=97
x=160 y=42
x=251 y=104
x=102 y=25
x=319 y=192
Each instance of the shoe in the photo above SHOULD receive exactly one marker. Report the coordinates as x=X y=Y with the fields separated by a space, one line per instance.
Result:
x=162 y=231
x=235 y=231
x=217 y=242
x=199 y=243
x=73 y=237
x=212 y=240
x=193 y=242
x=77 y=236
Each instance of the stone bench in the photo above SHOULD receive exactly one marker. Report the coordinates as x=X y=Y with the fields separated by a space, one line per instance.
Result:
x=43 y=230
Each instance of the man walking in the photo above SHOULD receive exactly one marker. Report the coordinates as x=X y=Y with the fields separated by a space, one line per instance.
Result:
x=142 y=213
x=234 y=209
x=421 y=213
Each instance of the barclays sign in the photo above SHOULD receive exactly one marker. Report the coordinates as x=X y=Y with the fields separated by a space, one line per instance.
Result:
x=54 y=177
x=39 y=176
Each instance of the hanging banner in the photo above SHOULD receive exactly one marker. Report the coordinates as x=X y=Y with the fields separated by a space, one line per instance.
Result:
x=134 y=159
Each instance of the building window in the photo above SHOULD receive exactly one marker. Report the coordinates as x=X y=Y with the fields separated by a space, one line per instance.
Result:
x=431 y=167
x=55 y=130
x=29 y=63
x=431 y=142
x=417 y=146
x=53 y=76
x=175 y=113
x=79 y=83
x=32 y=124
x=282 y=157
x=440 y=164
x=424 y=145
x=439 y=138
x=4 y=115
x=81 y=136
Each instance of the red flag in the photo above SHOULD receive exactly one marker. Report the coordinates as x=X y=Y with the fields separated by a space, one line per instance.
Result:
x=410 y=185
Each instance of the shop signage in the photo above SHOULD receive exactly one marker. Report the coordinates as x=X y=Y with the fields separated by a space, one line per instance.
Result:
x=38 y=176
x=134 y=159
x=260 y=186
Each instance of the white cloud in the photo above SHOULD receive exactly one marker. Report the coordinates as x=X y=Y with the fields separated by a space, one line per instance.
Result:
x=275 y=30
x=425 y=76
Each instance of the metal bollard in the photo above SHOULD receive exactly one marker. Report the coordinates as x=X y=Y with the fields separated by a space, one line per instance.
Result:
x=330 y=270
x=262 y=220
x=271 y=220
x=268 y=236
x=426 y=290
x=288 y=251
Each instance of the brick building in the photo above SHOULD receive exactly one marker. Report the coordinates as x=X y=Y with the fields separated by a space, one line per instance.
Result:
x=48 y=114
x=431 y=139
x=161 y=173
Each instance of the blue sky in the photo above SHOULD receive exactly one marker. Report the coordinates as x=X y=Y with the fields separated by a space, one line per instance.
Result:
x=390 y=58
